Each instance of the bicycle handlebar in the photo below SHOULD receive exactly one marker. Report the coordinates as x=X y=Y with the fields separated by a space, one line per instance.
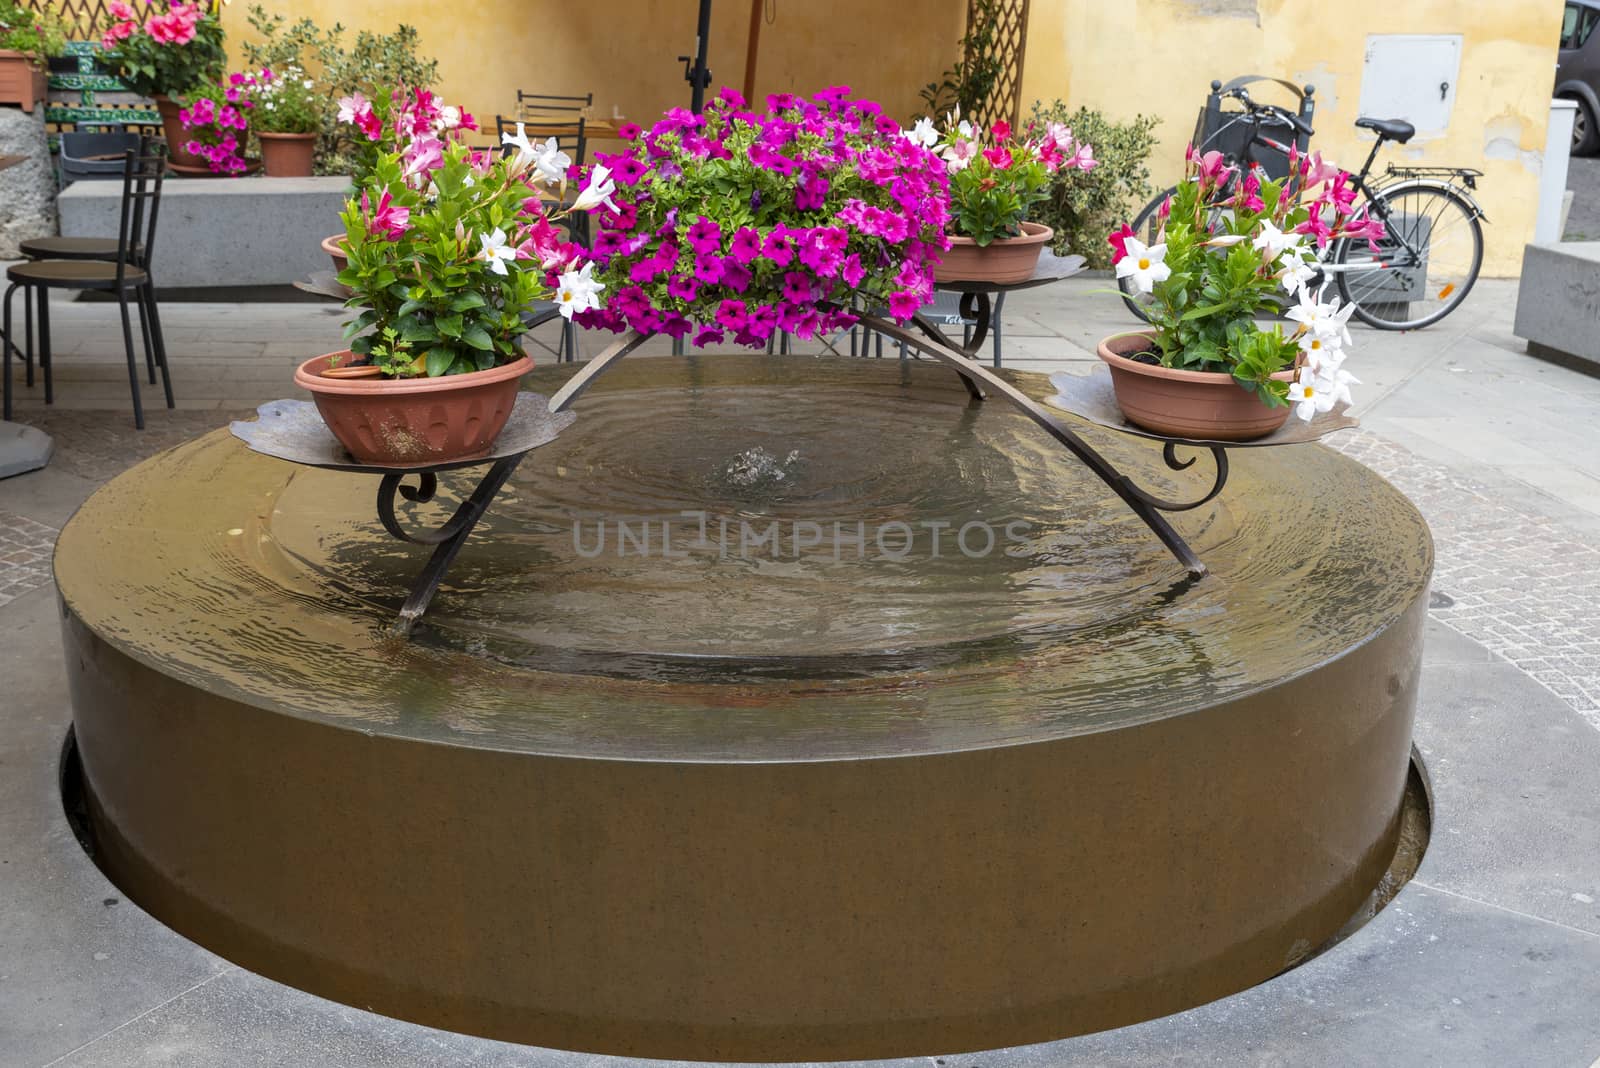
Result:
x=1282 y=114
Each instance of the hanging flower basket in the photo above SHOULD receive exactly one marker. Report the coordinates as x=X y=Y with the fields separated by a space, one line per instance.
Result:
x=735 y=224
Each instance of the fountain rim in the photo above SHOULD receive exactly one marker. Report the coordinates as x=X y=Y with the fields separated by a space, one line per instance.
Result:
x=195 y=678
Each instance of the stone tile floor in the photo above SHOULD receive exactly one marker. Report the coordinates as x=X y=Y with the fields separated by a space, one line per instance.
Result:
x=25 y=550
x=1522 y=584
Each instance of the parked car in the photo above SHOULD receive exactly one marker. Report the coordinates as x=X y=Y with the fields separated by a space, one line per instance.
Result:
x=1578 y=72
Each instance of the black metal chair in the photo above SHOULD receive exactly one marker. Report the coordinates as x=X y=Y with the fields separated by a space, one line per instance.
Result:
x=571 y=137
x=538 y=104
x=80 y=264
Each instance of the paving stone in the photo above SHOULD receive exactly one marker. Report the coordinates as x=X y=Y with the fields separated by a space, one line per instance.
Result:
x=1538 y=582
x=26 y=549
x=77 y=959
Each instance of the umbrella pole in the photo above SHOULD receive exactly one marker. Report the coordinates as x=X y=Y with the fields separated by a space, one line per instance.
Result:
x=700 y=76
x=751 y=48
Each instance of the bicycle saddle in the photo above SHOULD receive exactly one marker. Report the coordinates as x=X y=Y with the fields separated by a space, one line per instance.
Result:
x=1395 y=130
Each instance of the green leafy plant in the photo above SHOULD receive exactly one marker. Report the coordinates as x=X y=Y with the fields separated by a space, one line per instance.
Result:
x=366 y=66
x=1228 y=244
x=36 y=34
x=995 y=177
x=449 y=246
x=287 y=101
x=171 y=51
x=967 y=86
x=1080 y=206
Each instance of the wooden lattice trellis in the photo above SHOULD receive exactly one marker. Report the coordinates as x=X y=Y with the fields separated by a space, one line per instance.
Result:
x=1009 y=23
x=82 y=93
x=89 y=15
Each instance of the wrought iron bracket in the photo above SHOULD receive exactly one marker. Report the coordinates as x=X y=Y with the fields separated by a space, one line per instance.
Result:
x=447 y=538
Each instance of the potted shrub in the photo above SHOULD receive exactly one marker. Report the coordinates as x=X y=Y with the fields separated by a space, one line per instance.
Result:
x=27 y=39
x=995 y=178
x=733 y=224
x=1207 y=369
x=447 y=248
x=287 y=120
x=367 y=63
x=216 y=124
x=385 y=124
x=172 y=51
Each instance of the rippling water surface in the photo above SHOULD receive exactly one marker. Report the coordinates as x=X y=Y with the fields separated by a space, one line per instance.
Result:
x=866 y=561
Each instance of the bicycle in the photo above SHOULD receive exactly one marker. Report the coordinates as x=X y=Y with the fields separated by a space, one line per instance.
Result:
x=1432 y=249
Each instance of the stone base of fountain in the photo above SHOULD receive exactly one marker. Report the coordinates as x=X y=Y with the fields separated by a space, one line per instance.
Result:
x=682 y=800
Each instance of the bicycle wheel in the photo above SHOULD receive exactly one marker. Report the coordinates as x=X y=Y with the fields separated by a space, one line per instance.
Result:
x=1394 y=290
x=1145 y=227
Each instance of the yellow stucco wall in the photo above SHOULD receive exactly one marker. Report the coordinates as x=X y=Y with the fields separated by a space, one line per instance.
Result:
x=623 y=50
x=1159 y=57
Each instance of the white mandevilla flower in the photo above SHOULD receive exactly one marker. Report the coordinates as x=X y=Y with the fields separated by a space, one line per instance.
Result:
x=1297 y=273
x=1146 y=265
x=551 y=162
x=578 y=291
x=495 y=251
x=922 y=133
x=1307 y=397
x=449 y=117
x=1225 y=240
x=598 y=191
x=1334 y=383
x=1274 y=241
x=1327 y=323
x=526 y=152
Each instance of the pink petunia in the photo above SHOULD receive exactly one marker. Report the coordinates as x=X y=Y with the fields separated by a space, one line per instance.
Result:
x=904 y=304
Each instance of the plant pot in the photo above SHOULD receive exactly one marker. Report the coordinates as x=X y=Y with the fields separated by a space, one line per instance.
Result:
x=1202 y=405
x=287 y=155
x=22 y=81
x=333 y=245
x=172 y=129
x=1007 y=259
x=414 y=421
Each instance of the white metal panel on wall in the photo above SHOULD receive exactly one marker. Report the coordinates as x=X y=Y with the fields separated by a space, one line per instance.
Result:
x=1412 y=77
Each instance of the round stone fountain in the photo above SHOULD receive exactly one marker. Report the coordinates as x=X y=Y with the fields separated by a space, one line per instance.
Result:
x=781 y=708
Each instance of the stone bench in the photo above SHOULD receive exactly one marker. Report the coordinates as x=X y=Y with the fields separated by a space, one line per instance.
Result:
x=1558 y=303
x=222 y=233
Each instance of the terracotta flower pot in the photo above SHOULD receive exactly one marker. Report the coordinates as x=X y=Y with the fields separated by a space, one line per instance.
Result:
x=1009 y=259
x=287 y=155
x=172 y=129
x=414 y=420
x=333 y=245
x=1202 y=405
x=22 y=81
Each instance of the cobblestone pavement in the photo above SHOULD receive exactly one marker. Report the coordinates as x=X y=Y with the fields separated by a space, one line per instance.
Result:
x=25 y=548
x=100 y=445
x=1521 y=584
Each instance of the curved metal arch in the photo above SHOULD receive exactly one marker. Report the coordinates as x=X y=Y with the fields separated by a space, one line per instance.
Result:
x=978 y=379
